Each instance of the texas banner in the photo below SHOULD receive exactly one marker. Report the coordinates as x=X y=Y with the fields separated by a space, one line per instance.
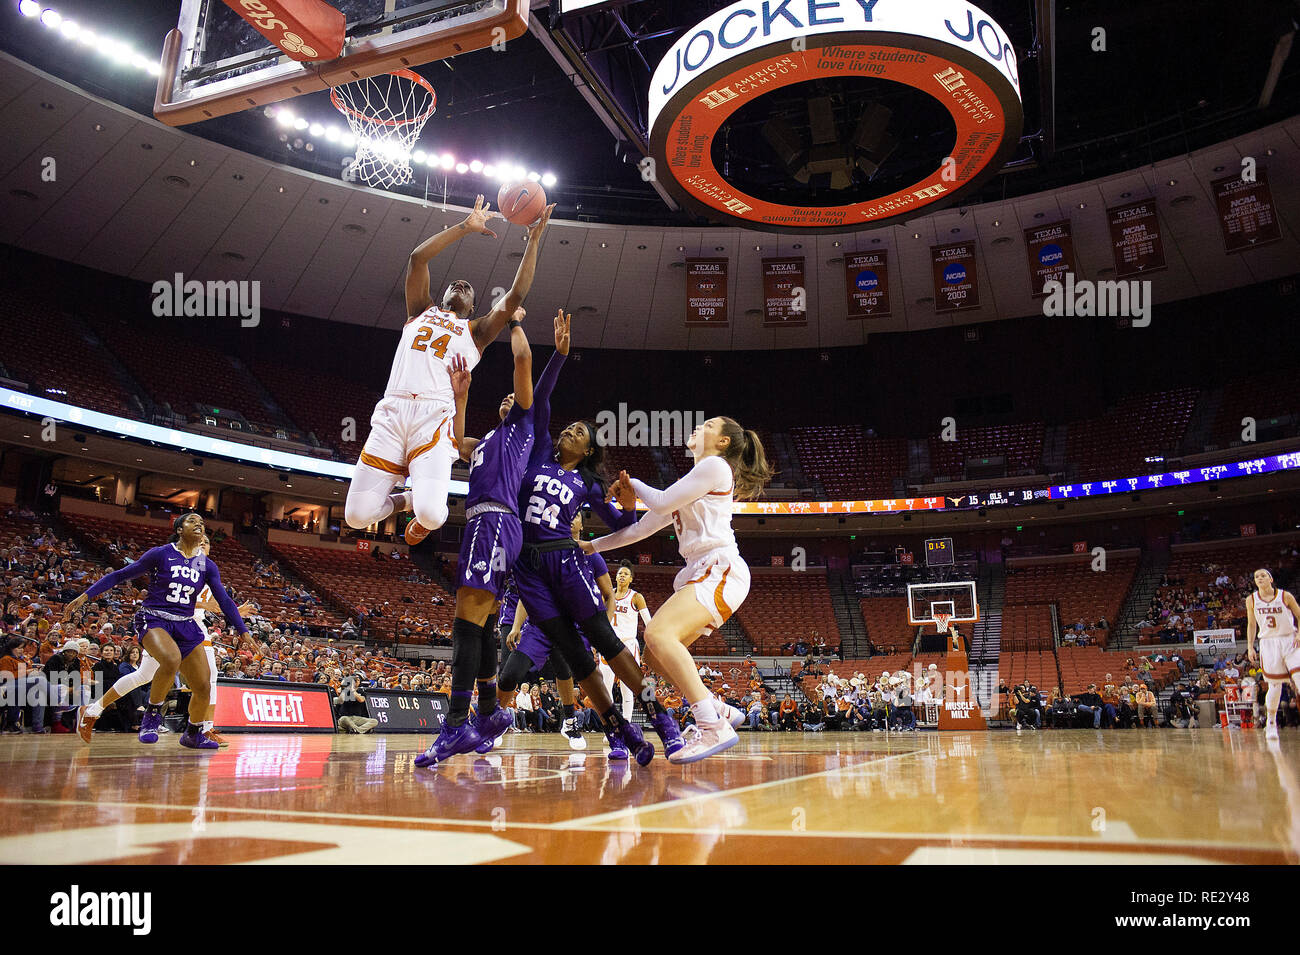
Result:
x=866 y=284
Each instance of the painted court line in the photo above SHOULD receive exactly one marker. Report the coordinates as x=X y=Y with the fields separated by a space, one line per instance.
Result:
x=691 y=800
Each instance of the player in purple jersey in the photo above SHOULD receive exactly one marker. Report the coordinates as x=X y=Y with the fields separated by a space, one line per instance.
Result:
x=531 y=649
x=555 y=582
x=491 y=540
x=165 y=624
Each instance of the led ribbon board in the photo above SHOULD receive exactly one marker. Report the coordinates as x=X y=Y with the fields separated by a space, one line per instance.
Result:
x=946 y=49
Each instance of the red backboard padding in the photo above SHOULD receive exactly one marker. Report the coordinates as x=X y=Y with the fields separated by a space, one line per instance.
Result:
x=303 y=29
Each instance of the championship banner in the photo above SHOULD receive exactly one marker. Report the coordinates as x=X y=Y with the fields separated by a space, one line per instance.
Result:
x=268 y=706
x=1246 y=213
x=866 y=283
x=1135 y=238
x=785 y=297
x=1214 y=639
x=706 y=291
x=1051 y=255
x=406 y=711
x=955 y=284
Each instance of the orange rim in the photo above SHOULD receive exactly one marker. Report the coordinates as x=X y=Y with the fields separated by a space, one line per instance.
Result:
x=411 y=75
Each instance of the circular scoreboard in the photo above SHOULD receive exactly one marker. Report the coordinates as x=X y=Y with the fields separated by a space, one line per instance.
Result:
x=948 y=52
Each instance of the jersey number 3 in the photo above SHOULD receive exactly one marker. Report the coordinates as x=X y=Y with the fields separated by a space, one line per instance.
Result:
x=422 y=342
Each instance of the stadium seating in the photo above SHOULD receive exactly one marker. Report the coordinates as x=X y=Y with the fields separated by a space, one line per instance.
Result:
x=782 y=608
x=75 y=371
x=1020 y=444
x=1118 y=443
x=319 y=403
x=360 y=580
x=847 y=463
x=886 y=622
x=1079 y=592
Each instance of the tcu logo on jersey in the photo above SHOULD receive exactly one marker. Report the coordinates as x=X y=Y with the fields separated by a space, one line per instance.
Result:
x=186 y=571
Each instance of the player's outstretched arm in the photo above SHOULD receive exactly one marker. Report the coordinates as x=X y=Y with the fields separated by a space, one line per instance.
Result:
x=417 y=269
x=109 y=581
x=523 y=356
x=707 y=475
x=228 y=608
x=460 y=381
x=486 y=329
x=630 y=534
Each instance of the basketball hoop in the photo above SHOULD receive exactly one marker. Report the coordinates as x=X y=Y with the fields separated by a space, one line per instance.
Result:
x=941 y=621
x=386 y=114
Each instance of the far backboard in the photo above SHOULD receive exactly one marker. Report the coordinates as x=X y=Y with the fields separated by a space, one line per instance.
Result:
x=215 y=62
x=956 y=598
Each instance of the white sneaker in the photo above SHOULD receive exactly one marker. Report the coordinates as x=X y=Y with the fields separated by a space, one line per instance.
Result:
x=1018 y=728
x=729 y=713
x=1270 y=730
x=713 y=738
x=576 y=740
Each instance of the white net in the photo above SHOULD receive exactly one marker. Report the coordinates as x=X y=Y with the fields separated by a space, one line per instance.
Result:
x=386 y=114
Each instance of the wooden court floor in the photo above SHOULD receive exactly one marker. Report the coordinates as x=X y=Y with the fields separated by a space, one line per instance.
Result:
x=1077 y=797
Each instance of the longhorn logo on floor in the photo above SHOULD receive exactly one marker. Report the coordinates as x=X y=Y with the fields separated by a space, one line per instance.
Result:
x=77 y=908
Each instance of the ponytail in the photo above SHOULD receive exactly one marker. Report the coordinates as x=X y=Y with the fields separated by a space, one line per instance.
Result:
x=748 y=461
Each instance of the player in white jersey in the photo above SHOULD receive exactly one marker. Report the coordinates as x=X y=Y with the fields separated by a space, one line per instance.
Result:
x=1272 y=614
x=624 y=608
x=729 y=464
x=411 y=431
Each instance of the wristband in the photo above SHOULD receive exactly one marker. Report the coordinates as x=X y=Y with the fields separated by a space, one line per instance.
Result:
x=514 y=323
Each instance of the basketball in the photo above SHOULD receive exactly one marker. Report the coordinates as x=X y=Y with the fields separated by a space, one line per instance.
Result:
x=521 y=202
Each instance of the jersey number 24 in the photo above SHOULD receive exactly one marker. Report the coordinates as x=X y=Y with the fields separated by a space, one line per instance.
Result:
x=421 y=342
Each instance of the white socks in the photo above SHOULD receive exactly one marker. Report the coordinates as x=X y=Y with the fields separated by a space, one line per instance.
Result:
x=705 y=711
x=1271 y=700
x=95 y=710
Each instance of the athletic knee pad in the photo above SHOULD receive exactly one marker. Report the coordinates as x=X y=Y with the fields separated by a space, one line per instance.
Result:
x=489 y=651
x=466 y=645
x=600 y=634
x=566 y=642
x=513 y=672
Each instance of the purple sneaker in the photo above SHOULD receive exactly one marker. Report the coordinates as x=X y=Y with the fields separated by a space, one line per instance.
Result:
x=669 y=733
x=641 y=749
x=149 y=724
x=197 y=741
x=491 y=728
x=452 y=741
x=616 y=748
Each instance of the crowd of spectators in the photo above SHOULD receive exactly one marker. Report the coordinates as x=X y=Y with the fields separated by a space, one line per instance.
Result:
x=1223 y=602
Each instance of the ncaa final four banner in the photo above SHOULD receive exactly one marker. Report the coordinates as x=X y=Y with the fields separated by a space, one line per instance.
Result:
x=1246 y=213
x=1051 y=255
x=956 y=287
x=706 y=291
x=785 y=296
x=866 y=283
x=1135 y=238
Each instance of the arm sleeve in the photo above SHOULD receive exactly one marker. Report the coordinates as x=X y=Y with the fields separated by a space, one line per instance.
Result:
x=645 y=615
x=711 y=474
x=615 y=518
x=227 y=605
x=542 y=448
x=632 y=533
x=106 y=583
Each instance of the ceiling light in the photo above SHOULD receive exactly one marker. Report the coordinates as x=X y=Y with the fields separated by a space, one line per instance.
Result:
x=548 y=179
x=996 y=223
x=332 y=133
x=447 y=160
x=534 y=177
x=70 y=29
x=475 y=166
x=419 y=155
x=51 y=18
x=300 y=123
x=462 y=168
x=284 y=118
x=490 y=171
x=317 y=129
x=29 y=8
